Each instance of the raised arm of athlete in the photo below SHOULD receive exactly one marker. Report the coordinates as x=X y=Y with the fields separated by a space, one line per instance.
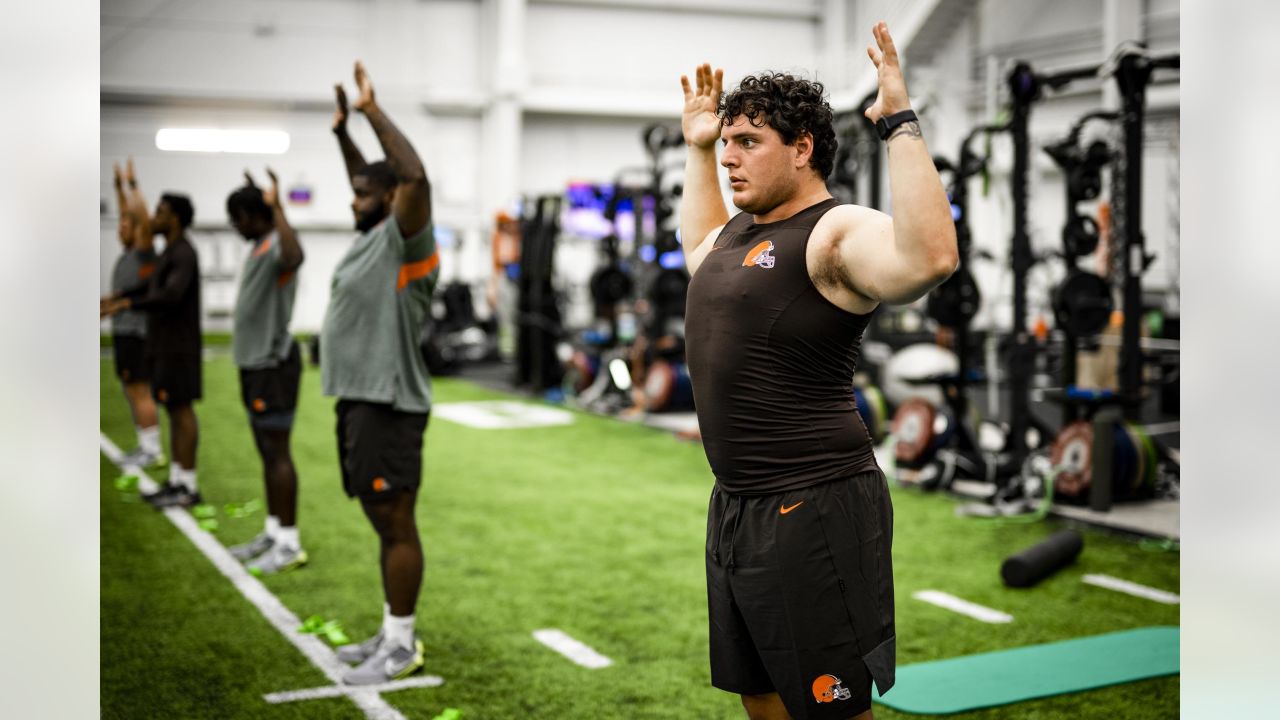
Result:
x=143 y=238
x=125 y=226
x=350 y=153
x=412 y=203
x=898 y=259
x=702 y=211
x=291 y=254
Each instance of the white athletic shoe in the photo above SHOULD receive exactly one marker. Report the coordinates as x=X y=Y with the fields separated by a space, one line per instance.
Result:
x=139 y=458
x=278 y=559
x=356 y=653
x=387 y=664
x=243 y=552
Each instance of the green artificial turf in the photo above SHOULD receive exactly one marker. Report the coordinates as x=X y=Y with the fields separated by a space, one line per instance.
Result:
x=596 y=528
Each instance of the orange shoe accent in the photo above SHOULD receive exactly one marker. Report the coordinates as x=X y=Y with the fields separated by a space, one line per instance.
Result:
x=783 y=510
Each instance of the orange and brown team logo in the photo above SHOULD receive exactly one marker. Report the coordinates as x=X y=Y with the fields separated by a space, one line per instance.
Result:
x=162 y=394
x=380 y=484
x=259 y=404
x=827 y=688
x=760 y=256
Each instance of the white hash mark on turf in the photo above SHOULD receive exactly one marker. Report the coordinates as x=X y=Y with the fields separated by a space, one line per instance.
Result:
x=329 y=691
x=284 y=621
x=501 y=414
x=1132 y=588
x=575 y=650
x=964 y=607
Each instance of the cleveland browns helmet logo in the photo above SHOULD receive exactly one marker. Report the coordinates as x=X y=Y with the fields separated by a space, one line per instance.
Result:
x=827 y=688
x=760 y=256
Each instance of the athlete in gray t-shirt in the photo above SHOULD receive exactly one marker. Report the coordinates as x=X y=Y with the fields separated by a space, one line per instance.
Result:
x=369 y=359
x=129 y=327
x=270 y=368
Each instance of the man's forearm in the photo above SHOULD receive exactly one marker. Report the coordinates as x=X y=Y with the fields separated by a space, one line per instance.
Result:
x=290 y=249
x=701 y=205
x=401 y=156
x=350 y=153
x=142 y=238
x=922 y=226
x=122 y=201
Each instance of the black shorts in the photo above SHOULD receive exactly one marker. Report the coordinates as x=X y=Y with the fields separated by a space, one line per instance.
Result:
x=176 y=378
x=379 y=448
x=271 y=394
x=800 y=595
x=131 y=358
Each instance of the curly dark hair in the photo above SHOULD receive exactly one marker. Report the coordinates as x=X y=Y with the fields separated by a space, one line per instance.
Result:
x=791 y=106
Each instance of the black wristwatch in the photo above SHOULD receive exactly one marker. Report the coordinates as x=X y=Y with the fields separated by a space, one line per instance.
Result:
x=886 y=125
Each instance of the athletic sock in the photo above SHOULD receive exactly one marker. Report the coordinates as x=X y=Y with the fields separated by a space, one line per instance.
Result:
x=149 y=439
x=288 y=537
x=272 y=527
x=179 y=475
x=398 y=630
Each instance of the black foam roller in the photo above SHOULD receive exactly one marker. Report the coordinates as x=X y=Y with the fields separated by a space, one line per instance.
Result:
x=1042 y=559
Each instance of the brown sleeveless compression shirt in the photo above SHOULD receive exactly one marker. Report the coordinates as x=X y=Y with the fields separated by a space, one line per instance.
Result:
x=771 y=361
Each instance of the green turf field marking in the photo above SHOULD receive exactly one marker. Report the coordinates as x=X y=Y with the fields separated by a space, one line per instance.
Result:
x=576 y=650
x=1131 y=588
x=501 y=414
x=964 y=607
x=366 y=698
x=329 y=691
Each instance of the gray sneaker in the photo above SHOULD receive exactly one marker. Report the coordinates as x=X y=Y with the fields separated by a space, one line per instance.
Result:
x=243 y=552
x=139 y=458
x=277 y=560
x=387 y=664
x=356 y=653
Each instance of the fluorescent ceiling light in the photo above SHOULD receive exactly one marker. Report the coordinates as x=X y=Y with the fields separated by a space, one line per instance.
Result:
x=250 y=142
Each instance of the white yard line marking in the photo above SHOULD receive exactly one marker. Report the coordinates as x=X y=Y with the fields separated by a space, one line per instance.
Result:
x=501 y=414
x=1132 y=588
x=964 y=607
x=337 y=690
x=574 y=650
x=367 y=699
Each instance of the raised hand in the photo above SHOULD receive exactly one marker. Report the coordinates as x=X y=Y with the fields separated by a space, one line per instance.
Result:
x=365 y=85
x=118 y=176
x=699 y=121
x=892 y=96
x=271 y=195
x=129 y=175
x=340 y=112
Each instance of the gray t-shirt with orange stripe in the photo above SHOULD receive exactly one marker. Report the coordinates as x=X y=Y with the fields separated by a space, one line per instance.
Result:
x=131 y=271
x=264 y=304
x=378 y=302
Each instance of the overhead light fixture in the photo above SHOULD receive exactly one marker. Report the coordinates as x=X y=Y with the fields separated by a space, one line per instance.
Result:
x=249 y=142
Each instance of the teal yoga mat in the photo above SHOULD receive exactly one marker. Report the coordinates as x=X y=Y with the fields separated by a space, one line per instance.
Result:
x=1002 y=677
